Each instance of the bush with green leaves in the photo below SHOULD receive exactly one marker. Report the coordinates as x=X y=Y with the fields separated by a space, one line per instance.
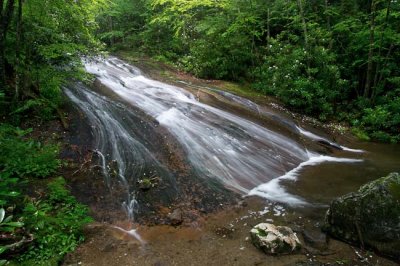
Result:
x=24 y=157
x=381 y=122
x=305 y=80
x=56 y=223
x=7 y=226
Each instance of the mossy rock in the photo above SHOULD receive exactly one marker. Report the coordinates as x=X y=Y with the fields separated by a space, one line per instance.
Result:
x=369 y=217
x=274 y=239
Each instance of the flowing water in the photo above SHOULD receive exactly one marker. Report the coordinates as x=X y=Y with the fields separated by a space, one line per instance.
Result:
x=221 y=147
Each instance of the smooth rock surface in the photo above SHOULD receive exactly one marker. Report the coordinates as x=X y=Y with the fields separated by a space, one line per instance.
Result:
x=369 y=217
x=274 y=239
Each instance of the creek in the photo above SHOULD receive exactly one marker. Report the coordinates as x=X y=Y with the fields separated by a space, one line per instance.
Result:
x=267 y=154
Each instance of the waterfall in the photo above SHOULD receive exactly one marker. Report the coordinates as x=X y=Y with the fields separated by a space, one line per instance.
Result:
x=243 y=156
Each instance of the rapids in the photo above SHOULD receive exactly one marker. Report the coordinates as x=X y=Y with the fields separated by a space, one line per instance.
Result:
x=244 y=156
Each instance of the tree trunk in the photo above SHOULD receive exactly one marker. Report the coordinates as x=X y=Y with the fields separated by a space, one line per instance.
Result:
x=378 y=66
x=253 y=42
x=5 y=19
x=2 y=46
x=268 y=26
x=18 y=68
x=112 y=29
x=303 y=21
x=368 y=81
x=328 y=23
x=2 y=61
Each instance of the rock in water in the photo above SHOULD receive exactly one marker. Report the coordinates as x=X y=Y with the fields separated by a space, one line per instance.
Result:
x=176 y=217
x=274 y=239
x=369 y=217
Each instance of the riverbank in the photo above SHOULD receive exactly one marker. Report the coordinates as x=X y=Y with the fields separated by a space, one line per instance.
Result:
x=217 y=239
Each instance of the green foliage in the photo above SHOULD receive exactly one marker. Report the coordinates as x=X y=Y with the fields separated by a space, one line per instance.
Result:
x=46 y=52
x=6 y=223
x=360 y=134
x=308 y=81
x=383 y=121
x=318 y=57
x=56 y=220
x=56 y=223
x=25 y=157
x=40 y=51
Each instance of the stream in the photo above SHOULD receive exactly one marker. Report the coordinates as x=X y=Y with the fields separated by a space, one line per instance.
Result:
x=221 y=147
x=200 y=148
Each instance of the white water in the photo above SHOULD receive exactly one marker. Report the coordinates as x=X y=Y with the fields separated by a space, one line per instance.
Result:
x=121 y=154
x=133 y=233
x=240 y=154
x=275 y=192
x=319 y=138
x=221 y=145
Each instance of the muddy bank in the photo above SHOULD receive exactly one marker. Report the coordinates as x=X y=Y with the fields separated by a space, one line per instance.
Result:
x=218 y=239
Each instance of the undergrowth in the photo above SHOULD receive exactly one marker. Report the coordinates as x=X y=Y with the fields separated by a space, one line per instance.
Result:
x=35 y=228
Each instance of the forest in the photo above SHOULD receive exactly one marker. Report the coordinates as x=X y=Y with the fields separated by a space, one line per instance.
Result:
x=333 y=60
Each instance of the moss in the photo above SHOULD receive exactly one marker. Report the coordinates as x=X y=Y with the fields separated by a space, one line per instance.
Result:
x=394 y=189
x=360 y=134
x=370 y=216
x=261 y=232
x=239 y=89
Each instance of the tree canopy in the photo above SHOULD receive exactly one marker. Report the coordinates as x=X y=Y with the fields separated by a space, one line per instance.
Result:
x=41 y=42
x=333 y=59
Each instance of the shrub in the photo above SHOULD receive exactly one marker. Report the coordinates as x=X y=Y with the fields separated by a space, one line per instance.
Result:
x=56 y=223
x=22 y=157
x=307 y=81
x=382 y=122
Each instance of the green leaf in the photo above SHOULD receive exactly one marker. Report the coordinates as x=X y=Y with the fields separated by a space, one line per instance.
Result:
x=10 y=193
x=15 y=224
x=2 y=249
x=2 y=214
x=8 y=219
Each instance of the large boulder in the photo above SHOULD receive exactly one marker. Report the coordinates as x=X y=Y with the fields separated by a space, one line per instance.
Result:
x=369 y=217
x=274 y=239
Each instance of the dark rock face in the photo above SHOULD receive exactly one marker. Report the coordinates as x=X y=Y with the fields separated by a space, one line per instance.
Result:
x=369 y=217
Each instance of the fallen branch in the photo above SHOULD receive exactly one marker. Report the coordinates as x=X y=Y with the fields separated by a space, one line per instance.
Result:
x=18 y=244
